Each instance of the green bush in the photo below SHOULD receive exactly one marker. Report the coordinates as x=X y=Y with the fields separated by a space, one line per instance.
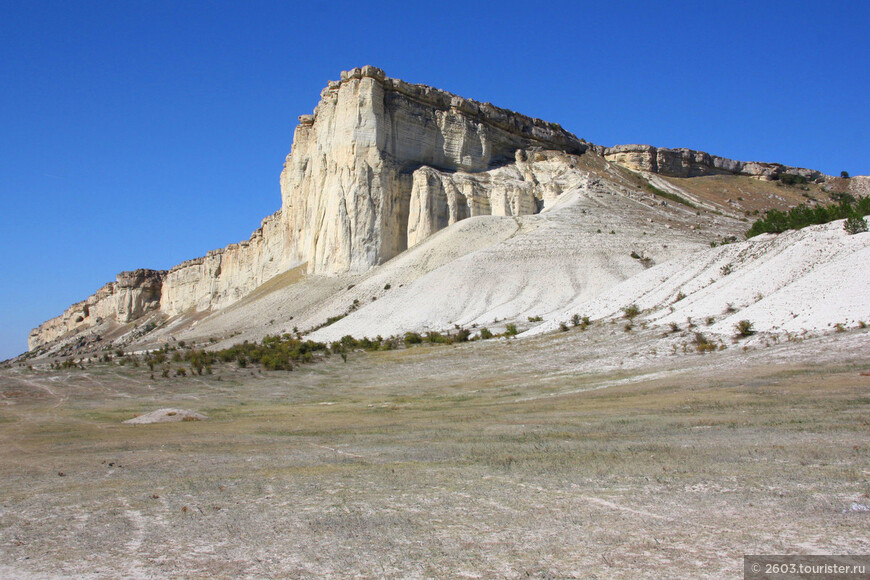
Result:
x=511 y=330
x=790 y=179
x=855 y=225
x=412 y=338
x=485 y=333
x=703 y=345
x=744 y=328
x=631 y=311
x=776 y=221
x=436 y=338
x=274 y=353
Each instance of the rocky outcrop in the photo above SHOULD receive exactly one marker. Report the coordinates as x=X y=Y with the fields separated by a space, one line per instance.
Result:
x=132 y=295
x=689 y=163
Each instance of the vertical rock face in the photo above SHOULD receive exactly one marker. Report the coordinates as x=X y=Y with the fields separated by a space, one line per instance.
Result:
x=224 y=276
x=137 y=292
x=369 y=174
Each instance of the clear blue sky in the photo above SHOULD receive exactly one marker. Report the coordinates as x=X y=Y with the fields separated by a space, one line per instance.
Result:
x=140 y=134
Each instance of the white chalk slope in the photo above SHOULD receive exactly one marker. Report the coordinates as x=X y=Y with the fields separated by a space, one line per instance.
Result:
x=509 y=269
x=806 y=280
x=490 y=271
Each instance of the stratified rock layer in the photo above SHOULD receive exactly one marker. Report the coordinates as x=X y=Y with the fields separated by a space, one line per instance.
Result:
x=689 y=163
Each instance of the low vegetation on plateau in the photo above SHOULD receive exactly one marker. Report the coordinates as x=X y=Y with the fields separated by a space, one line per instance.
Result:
x=849 y=208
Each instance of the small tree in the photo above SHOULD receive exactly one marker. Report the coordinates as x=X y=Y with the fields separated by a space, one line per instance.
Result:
x=855 y=225
x=844 y=174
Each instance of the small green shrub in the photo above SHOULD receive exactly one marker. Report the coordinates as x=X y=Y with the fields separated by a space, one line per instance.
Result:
x=744 y=328
x=485 y=333
x=511 y=330
x=563 y=327
x=790 y=179
x=412 y=338
x=630 y=311
x=436 y=338
x=703 y=345
x=855 y=225
x=581 y=322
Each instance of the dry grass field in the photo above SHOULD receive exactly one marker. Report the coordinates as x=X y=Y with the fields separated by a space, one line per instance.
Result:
x=597 y=454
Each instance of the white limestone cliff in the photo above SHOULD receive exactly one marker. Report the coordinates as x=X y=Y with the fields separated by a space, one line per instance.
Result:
x=379 y=166
x=364 y=164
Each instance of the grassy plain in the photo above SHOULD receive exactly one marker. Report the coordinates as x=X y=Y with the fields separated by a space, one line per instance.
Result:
x=576 y=455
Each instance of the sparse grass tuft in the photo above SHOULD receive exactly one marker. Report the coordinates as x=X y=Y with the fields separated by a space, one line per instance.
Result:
x=671 y=196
